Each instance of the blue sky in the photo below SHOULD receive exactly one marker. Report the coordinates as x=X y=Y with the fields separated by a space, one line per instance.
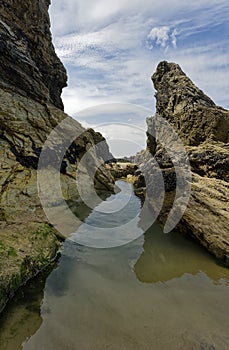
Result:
x=111 y=49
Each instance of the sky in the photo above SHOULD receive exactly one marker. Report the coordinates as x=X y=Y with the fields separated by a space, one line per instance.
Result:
x=111 y=48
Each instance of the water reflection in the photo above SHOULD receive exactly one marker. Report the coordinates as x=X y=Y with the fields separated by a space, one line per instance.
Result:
x=168 y=256
x=102 y=304
x=22 y=316
x=161 y=291
x=113 y=222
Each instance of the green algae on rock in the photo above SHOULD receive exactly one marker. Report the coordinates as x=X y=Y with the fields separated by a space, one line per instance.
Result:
x=25 y=249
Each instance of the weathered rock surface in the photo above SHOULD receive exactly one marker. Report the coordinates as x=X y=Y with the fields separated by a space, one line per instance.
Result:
x=187 y=108
x=203 y=128
x=31 y=81
x=29 y=65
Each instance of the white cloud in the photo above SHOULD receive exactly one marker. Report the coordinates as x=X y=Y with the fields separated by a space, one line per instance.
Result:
x=122 y=124
x=160 y=35
x=103 y=45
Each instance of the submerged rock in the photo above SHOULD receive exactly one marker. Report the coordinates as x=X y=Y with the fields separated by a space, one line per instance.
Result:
x=203 y=128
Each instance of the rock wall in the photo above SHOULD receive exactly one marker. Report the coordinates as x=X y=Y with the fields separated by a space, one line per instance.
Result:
x=31 y=81
x=29 y=65
x=203 y=128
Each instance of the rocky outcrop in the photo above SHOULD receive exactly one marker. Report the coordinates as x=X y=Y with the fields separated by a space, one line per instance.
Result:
x=31 y=81
x=187 y=108
x=124 y=169
x=121 y=169
x=203 y=128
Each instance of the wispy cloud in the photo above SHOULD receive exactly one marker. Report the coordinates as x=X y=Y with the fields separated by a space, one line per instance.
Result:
x=111 y=48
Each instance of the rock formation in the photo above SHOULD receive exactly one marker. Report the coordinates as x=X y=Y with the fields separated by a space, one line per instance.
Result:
x=203 y=128
x=31 y=81
x=193 y=114
x=29 y=65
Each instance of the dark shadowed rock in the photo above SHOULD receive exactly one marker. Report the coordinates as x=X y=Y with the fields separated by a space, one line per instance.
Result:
x=29 y=64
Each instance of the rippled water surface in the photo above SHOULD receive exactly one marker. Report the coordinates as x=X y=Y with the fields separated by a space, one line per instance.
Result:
x=160 y=291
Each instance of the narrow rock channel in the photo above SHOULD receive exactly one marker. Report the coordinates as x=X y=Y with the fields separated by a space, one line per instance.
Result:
x=117 y=296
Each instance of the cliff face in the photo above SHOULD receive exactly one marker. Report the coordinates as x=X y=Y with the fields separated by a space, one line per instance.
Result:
x=29 y=65
x=203 y=128
x=31 y=81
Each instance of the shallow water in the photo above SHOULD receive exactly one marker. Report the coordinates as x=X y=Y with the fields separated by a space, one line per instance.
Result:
x=161 y=291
